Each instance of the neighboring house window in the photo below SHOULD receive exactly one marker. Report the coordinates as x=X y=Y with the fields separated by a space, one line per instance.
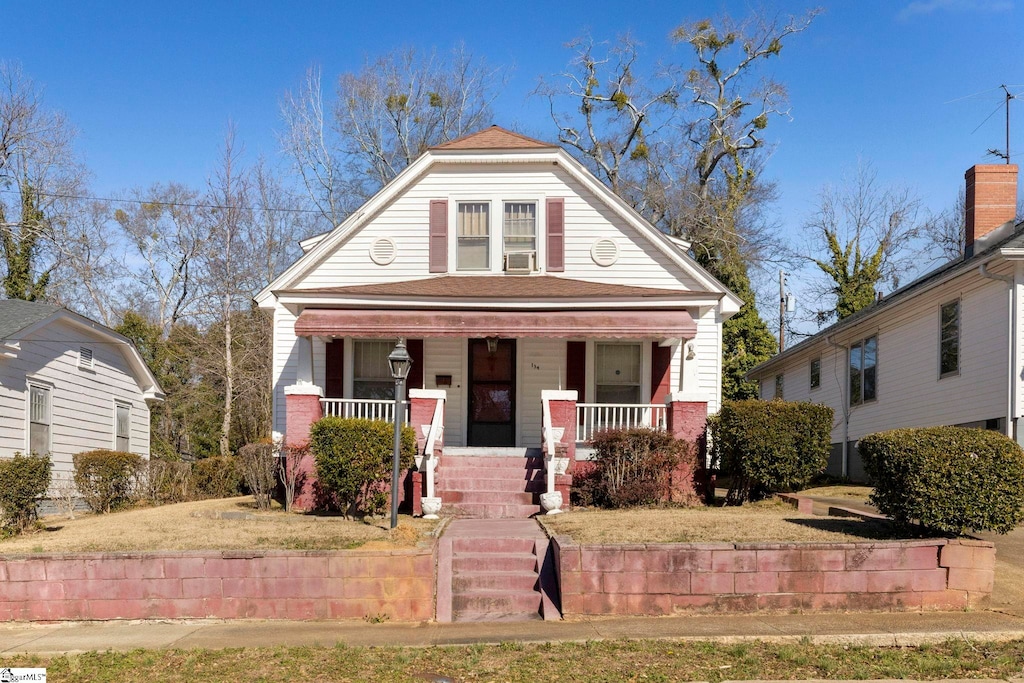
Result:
x=85 y=358
x=520 y=227
x=473 y=236
x=815 y=373
x=122 y=427
x=949 y=338
x=779 y=386
x=371 y=374
x=864 y=371
x=617 y=373
x=38 y=419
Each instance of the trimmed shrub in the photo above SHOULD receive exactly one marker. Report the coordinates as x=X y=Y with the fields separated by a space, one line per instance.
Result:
x=635 y=467
x=770 y=446
x=168 y=481
x=23 y=480
x=353 y=461
x=948 y=479
x=107 y=480
x=259 y=468
x=216 y=477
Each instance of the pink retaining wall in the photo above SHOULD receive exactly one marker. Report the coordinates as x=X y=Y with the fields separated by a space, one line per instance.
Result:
x=743 y=577
x=219 y=584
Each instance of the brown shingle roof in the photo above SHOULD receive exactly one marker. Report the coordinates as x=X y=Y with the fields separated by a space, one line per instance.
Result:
x=499 y=287
x=494 y=137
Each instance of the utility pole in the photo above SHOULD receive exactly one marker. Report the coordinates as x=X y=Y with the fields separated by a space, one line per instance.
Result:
x=782 y=311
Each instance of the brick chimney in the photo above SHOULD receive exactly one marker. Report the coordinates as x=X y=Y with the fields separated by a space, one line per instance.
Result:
x=991 y=204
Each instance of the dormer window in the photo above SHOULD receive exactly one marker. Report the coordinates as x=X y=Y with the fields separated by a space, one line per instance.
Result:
x=473 y=234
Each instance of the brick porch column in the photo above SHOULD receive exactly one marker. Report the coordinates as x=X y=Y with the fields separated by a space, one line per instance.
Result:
x=422 y=407
x=302 y=409
x=686 y=419
x=563 y=415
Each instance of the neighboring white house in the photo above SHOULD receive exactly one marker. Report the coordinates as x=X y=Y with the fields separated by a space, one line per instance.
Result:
x=511 y=270
x=69 y=384
x=944 y=350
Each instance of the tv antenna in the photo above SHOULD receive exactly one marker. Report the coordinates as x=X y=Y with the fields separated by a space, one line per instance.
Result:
x=995 y=152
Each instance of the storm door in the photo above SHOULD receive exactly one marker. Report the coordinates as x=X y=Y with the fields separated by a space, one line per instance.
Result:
x=492 y=392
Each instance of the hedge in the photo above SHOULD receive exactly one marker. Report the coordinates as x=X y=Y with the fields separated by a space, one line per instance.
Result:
x=23 y=480
x=353 y=461
x=107 y=480
x=635 y=467
x=216 y=477
x=770 y=446
x=948 y=479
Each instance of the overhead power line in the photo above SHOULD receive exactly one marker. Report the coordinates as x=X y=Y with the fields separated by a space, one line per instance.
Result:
x=188 y=205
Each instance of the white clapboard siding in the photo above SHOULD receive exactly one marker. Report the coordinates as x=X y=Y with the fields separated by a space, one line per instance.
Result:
x=708 y=344
x=541 y=366
x=587 y=219
x=910 y=392
x=82 y=401
x=284 y=365
x=448 y=356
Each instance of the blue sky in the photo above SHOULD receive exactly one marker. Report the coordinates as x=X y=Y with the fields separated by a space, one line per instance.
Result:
x=152 y=85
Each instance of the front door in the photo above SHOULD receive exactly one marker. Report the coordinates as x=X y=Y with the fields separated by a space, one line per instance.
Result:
x=492 y=392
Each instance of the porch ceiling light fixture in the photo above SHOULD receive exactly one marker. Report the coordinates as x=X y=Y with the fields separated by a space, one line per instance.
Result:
x=492 y=345
x=400 y=362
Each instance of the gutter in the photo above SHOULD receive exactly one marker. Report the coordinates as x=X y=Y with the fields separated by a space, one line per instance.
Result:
x=1011 y=345
x=846 y=407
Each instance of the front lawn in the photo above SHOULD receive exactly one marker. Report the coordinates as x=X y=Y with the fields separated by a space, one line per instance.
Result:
x=225 y=524
x=768 y=520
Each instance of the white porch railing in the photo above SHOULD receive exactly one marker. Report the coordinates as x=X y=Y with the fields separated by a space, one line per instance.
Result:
x=593 y=417
x=365 y=408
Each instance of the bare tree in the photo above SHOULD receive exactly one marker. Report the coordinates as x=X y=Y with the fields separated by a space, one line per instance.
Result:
x=385 y=116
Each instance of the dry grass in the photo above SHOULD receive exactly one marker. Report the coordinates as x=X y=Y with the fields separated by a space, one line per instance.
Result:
x=763 y=521
x=196 y=526
x=848 y=491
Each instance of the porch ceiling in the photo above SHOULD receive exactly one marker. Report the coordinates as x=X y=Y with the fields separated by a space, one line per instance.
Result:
x=623 y=324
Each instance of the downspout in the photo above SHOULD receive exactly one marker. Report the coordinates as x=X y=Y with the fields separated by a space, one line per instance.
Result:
x=1011 y=346
x=846 y=407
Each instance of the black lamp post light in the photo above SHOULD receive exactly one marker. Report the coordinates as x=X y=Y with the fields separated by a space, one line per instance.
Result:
x=400 y=362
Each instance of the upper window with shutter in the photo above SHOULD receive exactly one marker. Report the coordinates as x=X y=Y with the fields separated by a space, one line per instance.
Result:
x=473 y=236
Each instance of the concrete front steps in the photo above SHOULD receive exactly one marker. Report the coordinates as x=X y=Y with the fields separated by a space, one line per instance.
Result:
x=491 y=483
x=494 y=570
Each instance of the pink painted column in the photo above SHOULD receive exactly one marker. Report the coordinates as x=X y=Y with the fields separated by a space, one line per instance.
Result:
x=686 y=419
x=302 y=409
x=425 y=407
x=562 y=405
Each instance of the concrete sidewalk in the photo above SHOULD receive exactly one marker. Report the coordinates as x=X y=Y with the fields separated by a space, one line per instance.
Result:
x=862 y=628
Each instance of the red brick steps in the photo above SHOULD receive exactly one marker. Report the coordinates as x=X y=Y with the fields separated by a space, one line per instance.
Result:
x=491 y=486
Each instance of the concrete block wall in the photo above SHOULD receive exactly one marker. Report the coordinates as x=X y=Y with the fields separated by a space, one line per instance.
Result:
x=219 y=584
x=744 y=577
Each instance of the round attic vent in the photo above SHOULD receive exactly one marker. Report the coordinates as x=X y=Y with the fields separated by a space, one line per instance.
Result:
x=605 y=252
x=382 y=251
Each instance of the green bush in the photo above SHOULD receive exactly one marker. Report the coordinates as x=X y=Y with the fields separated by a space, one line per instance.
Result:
x=107 y=480
x=353 y=460
x=635 y=467
x=769 y=446
x=216 y=477
x=23 y=479
x=948 y=479
x=259 y=466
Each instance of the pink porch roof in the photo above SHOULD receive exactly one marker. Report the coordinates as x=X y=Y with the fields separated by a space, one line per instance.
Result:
x=621 y=324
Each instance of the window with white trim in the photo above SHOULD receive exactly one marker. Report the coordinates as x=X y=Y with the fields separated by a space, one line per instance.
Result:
x=371 y=373
x=864 y=371
x=473 y=236
x=949 y=339
x=617 y=373
x=815 y=373
x=780 y=384
x=39 y=419
x=520 y=227
x=122 y=427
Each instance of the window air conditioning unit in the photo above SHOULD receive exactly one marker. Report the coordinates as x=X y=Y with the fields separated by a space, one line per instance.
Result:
x=520 y=262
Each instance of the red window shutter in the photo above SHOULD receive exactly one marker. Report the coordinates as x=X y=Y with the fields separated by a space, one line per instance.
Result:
x=576 y=368
x=556 y=235
x=439 y=236
x=415 y=348
x=334 y=382
x=661 y=372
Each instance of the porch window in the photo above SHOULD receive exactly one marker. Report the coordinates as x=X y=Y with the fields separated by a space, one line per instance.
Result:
x=38 y=419
x=473 y=236
x=617 y=373
x=520 y=227
x=122 y=428
x=863 y=371
x=949 y=339
x=371 y=374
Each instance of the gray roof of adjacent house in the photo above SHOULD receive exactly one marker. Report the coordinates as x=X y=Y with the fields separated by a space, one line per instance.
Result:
x=1015 y=240
x=16 y=315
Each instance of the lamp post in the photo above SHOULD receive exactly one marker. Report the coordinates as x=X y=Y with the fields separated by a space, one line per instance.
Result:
x=400 y=362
